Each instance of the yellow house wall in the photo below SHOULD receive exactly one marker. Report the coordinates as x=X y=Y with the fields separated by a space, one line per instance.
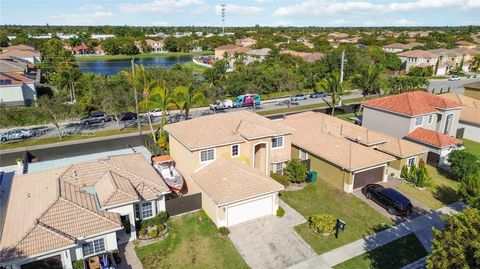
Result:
x=327 y=171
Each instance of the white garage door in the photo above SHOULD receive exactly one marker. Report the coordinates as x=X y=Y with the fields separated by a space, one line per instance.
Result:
x=250 y=210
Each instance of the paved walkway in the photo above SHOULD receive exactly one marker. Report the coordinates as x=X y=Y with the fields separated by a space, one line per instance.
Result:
x=270 y=242
x=129 y=257
x=418 y=226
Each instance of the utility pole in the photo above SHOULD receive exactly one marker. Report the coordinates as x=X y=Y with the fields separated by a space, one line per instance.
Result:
x=223 y=19
x=136 y=100
x=341 y=66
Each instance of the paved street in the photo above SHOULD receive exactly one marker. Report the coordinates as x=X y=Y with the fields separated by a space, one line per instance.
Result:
x=73 y=127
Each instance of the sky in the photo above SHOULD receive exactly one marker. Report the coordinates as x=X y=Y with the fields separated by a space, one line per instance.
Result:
x=327 y=13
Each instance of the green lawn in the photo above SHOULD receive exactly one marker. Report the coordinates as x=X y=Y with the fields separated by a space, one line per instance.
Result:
x=191 y=243
x=195 y=67
x=472 y=147
x=347 y=116
x=138 y=56
x=361 y=219
x=394 y=255
x=442 y=193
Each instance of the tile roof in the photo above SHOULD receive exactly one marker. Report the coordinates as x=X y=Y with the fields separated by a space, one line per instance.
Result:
x=49 y=210
x=306 y=56
x=417 y=54
x=11 y=65
x=15 y=78
x=432 y=138
x=46 y=213
x=401 y=148
x=322 y=135
x=232 y=48
x=228 y=180
x=473 y=85
x=412 y=103
x=19 y=47
x=19 y=54
x=471 y=112
x=224 y=128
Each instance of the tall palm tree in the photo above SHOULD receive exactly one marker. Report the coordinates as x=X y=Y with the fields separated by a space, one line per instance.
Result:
x=335 y=87
x=475 y=64
x=369 y=80
x=163 y=97
x=186 y=97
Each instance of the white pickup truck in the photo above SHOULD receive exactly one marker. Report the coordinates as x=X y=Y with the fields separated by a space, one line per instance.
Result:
x=220 y=105
x=155 y=113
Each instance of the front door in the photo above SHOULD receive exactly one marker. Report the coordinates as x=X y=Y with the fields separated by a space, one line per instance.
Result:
x=260 y=158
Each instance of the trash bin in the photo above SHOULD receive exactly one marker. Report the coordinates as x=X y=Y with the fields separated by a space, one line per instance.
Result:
x=313 y=176
x=309 y=177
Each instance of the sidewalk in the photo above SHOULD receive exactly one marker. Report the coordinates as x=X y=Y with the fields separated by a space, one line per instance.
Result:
x=344 y=253
x=129 y=257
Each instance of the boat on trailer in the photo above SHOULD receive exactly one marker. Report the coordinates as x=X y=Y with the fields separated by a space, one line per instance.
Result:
x=165 y=166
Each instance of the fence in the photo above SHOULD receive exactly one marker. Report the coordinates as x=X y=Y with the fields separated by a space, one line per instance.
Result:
x=184 y=204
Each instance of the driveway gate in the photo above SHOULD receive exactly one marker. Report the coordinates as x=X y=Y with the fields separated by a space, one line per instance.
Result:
x=185 y=204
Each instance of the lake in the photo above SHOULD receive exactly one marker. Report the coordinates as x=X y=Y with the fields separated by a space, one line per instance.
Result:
x=112 y=67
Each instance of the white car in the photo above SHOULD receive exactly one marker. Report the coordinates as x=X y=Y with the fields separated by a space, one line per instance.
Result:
x=454 y=78
x=219 y=105
x=16 y=134
x=156 y=113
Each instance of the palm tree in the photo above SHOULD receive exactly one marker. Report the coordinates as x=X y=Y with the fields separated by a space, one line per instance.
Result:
x=163 y=97
x=186 y=97
x=369 y=80
x=332 y=85
x=475 y=64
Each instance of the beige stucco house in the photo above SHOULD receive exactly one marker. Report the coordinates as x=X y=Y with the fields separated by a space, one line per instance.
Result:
x=469 y=123
x=206 y=147
x=418 y=58
x=428 y=115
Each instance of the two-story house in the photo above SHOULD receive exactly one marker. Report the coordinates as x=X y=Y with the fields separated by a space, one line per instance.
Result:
x=228 y=158
x=418 y=58
x=448 y=61
x=417 y=116
x=56 y=216
x=156 y=45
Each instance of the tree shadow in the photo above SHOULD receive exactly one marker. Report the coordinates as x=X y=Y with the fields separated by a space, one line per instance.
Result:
x=445 y=194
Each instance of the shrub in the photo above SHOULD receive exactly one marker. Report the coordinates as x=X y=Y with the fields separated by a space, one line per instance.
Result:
x=224 y=231
x=323 y=223
x=280 y=212
x=160 y=218
x=469 y=189
x=463 y=163
x=77 y=264
x=143 y=232
x=154 y=233
x=161 y=227
x=282 y=179
x=296 y=171
x=116 y=256
x=418 y=177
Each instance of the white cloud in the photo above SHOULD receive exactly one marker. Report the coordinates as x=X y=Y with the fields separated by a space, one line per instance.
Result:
x=326 y=7
x=339 y=22
x=264 y=1
x=405 y=22
x=241 y=10
x=81 y=19
x=160 y=6
x=91 y=7
x=473 y=3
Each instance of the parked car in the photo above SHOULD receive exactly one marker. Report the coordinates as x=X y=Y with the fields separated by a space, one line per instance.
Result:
x=219 y=105
x=128 y=116
x=16 y=134
x=157 y=113
x=453 y=78
x=390 y=199
x=299 y=97
x=96 y=117
x=318 y=95
x=247 y=100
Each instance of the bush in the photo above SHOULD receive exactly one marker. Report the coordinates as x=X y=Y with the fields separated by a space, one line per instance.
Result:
x=154 y=233
x=161 y=227
x=418 y=177
x=143 y=232
x=296 y=171
x=323 y=223
x=469 y=189
x=77 y=264
x=160 y=218
x=463 y=163
x=280 y=212
x=224 y=231
x=282 y=179
x=116 y=256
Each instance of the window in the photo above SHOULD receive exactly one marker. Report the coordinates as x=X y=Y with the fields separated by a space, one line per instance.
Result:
x=411 y=161
x=277 y=168
x=235 y=150
x=418 y=121
x=277 y=142
x=207 y=155
x=448 y=123
x=430 y=119
x=302 y=155
x=93 y=247
x=146 y=210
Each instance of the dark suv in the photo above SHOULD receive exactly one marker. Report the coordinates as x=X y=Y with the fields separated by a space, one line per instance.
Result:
x=96 y=117
x=390 y=199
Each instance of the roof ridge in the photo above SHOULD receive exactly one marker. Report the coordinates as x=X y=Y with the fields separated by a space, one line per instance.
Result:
x=97 y=213
x=408 y=102
x=128 y=182
x=350 y=157
x=400 y=147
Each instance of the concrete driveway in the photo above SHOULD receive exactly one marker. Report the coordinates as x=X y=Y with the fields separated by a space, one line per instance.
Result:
x=270 y=242
x=418 y=207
